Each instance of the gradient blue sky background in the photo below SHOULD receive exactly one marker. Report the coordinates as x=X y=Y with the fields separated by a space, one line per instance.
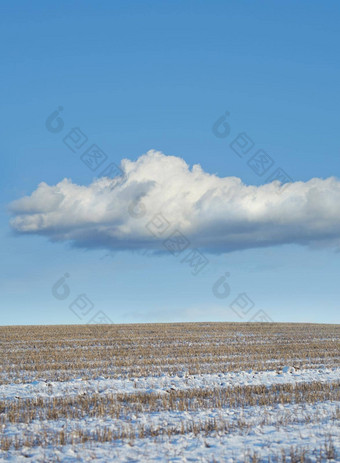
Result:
x=147 y=75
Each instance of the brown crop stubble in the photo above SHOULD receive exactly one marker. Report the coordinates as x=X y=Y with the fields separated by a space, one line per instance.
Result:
x=131 y=351
x=58 y=353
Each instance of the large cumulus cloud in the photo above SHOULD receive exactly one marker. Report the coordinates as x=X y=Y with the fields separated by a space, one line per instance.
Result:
x=215 y=214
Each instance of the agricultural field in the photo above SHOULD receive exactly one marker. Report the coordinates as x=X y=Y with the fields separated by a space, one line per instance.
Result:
x=206 y=392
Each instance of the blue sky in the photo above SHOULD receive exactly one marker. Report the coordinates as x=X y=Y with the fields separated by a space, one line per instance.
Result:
x=136 y=76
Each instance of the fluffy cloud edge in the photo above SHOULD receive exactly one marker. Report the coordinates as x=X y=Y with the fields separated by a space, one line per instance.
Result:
x=160 y=198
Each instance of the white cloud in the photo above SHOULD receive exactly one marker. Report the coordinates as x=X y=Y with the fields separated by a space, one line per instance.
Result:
x=216 y=214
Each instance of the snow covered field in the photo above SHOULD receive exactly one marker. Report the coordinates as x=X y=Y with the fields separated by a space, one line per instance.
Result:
x=281 y=402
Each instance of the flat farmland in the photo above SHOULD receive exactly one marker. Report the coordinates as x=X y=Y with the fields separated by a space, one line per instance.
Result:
x=210 y=392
